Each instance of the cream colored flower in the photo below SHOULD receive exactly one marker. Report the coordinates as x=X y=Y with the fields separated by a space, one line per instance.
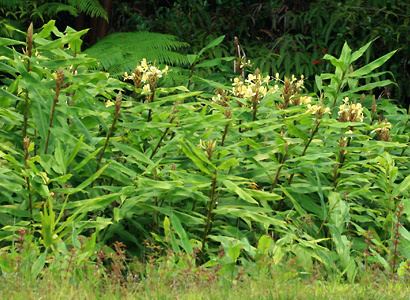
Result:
x=145 y=73
x=383 y=130
x=350 y=112
x=144 y=64
x=305 y=100
x=263 y=91
x=109 y=103
x=251 y=77
x=318 y=110
x=146 y=89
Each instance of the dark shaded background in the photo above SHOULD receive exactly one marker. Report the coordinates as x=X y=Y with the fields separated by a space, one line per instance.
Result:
x=286 y=36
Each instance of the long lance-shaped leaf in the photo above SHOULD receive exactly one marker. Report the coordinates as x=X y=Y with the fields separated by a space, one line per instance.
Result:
x=181 y=233
x=239 y=191
x=295 y=203
x=90 y=156
x=196 y=159
x=84 y=184
x=212 y=44
x=357 y=54
x=404 y=187
x=368 y=87
x=10 y=42
x=84 y=206
x=373 y=65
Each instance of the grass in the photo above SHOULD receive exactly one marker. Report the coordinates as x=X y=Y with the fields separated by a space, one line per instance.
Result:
x=177 y=285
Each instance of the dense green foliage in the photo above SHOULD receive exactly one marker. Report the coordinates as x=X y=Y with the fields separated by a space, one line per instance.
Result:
x=41 y=9
x=218 y=171
x=270 y=30
x=126 y=49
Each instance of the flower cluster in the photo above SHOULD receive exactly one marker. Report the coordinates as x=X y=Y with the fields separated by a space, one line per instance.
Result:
x=383 y=130
x=208 y=147
x=343 y=143
x=318 y=110
x=254 y=87
x=350 y=112
x=291 y=91
x=147 y=75
x=221 y=98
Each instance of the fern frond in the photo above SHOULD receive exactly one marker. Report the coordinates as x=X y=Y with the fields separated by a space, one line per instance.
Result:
x=120 y=52
x=11 y=3
x=52 y=9
x=91 y=8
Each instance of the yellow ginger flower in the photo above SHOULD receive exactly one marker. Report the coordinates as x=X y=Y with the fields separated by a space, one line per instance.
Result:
x=383 y=130
x=145 y=74
x=350 y=112
x=318 y=110
x=254 y=85
x=146 y=89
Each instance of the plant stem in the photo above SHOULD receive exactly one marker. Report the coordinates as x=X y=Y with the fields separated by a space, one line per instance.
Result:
x=26 y=145
x=282 y=162
x=312 y=135
x=224 y=134
x=396 y=239
x=29 y=52
x=25 y=115
x=254 y=107
x=211 y=206
x=254 y=111
x=150 y=100
x=342 y=157
x=59 y=82
x=339 y=87
x=112 y=128
x=161 y=139
x=191 y=73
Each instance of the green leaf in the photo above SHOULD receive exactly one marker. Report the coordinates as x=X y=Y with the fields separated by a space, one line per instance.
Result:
x=212 y=44
x=46 y=30
x=211 y=83
x=345 y=56
x=192 y=58
x=295 y=203
x=85 y=183
x=357 y=54
x=190 y=152
x=228 y=163
x=263 y=195
x=403 y=188
x=373 y=65
x=60 y=166
x=134 y=153
x=368 y=87
x=9 y=42
x=75 y=151
x=319 y=82
x=339 y=212
x=93 y=204
x=240 y=192
x=209 y=63
x=167 y=227
x=181 y=233
x=334 y=61
x=38 y=265
x=89 y=157
x=264 y=244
